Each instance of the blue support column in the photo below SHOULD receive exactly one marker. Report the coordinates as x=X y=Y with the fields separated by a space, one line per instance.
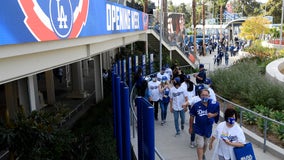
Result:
x=125 y=108
x=114 y=106
x=129 y=68
x=145 y=122
x=149 y=132
x=118 y=118
x=118 y=67
x=139 y=105
x=123 y=70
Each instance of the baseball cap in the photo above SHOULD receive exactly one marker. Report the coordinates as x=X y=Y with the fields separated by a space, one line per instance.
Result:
x=187 y=76
x=201 y=65
x=164 y=78
x=177 y=80
x=207 y=81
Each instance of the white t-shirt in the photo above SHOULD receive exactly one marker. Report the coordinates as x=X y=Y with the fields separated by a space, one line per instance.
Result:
x=169 y=71
x=234 y=134
x=177 y=96
x=193 y=100
x=160 y=76
x=212 y=94
x=154 y=90
x=189 y=94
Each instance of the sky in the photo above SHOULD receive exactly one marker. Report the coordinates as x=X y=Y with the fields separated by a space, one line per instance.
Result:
x=178 y=2
x=175 y=2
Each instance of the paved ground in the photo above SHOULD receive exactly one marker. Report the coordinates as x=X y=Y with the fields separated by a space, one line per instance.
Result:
x=173 y=147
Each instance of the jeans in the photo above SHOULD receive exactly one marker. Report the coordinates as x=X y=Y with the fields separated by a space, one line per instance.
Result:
x=176 y=117
x=164 y=108
x=156 y=105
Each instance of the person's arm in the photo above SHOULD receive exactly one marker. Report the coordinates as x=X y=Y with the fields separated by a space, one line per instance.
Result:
x=234 y=144
x=191 y=119
x=212 y=139
x=171 y=105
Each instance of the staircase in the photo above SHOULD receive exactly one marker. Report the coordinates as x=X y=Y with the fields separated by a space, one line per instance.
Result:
x=177 y=53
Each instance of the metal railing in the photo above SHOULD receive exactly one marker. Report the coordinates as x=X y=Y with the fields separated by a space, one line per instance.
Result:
x=225 y=103
x=255 y=114
x=78 y=107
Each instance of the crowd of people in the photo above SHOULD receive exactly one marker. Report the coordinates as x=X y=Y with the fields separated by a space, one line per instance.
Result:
x=172 y=88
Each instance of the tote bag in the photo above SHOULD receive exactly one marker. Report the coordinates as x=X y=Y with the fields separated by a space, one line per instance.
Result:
x=244 y=153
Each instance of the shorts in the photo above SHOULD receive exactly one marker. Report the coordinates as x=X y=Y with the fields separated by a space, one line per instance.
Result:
x=201 y=141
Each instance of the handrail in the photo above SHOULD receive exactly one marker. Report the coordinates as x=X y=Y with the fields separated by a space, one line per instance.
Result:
x=266 y=119
x=134 y=118
x=242 y=109
x=76 y=109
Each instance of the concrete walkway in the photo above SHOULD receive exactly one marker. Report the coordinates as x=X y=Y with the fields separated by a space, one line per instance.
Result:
x=173 y=147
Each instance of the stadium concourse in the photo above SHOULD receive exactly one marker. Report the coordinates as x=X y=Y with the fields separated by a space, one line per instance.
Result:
x=173 y=147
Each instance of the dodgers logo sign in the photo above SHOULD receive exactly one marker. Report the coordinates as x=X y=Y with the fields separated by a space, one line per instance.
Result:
x=54 y=19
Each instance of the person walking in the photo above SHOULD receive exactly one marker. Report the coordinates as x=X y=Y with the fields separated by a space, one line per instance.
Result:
x=154 y=94
x=201 y=76
x=205 y=113
x=229 y=135
x=226 y=58
x=178 y=104
x=164 y=89
x=191 y=102
x=207 y=85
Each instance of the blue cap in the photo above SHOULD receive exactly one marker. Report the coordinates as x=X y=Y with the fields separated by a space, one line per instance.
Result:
x=177 y=80
x=207 y=81
x=164 y=68
x=199 y=87
x=201 y=65
x=153 y=75
x=187 y=76
x=164 y=78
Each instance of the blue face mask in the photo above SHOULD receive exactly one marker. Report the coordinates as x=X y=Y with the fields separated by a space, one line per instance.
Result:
x=204 y=99
x=231 y=120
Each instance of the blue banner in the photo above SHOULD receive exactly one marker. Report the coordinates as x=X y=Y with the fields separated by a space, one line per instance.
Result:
x=25 y=21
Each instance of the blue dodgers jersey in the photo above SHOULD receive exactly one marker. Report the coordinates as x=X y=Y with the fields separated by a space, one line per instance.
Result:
x=203 y=124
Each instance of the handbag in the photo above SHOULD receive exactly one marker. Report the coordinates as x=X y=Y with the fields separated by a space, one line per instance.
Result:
x=244 y=153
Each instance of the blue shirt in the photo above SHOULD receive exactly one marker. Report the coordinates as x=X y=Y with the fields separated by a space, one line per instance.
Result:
x=203 y=124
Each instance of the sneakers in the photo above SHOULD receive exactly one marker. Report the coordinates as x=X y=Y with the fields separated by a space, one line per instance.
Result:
x=182 y=127
x=192 y=144
x=178 y=133
x=163 y=122
x=203 y=157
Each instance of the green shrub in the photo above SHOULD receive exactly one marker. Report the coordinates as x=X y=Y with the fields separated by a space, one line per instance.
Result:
x=279 y=131
x=249 y=118
x=245 y=84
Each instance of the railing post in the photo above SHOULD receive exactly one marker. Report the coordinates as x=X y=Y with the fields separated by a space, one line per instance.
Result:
x=146 y=137
x=118 y=117
x=125 y=108
x=264 y=134
x=138 y=102
x=113 y=100
x=149 y=131
x=241 y=117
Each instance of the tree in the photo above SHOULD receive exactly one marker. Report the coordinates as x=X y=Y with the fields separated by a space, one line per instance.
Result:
x=253 y=27
x=203 y=31
x=221 y=4
x=194 y=23
x=273 y=8
x=35 y=137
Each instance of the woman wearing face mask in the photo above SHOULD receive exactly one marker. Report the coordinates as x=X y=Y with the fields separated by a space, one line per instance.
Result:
x=228 y=135
x=205 y=113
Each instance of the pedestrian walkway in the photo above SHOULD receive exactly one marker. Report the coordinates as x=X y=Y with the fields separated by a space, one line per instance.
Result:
x=173 y=147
